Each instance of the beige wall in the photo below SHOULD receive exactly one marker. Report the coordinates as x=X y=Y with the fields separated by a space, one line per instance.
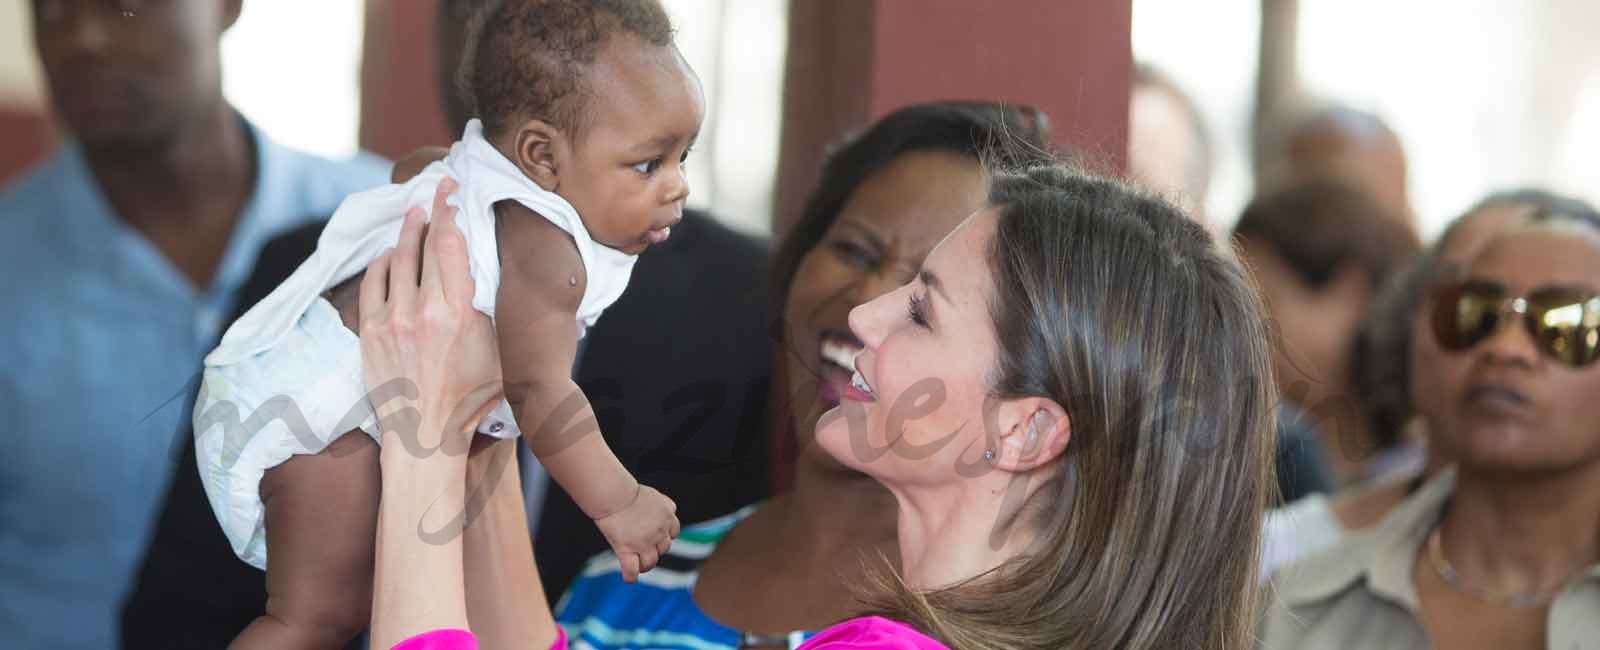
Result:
x=19 y=73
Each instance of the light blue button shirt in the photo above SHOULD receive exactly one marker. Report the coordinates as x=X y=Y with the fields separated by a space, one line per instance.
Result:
x=101 y=332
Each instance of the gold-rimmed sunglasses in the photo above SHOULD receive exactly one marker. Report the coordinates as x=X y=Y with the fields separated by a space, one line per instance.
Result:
x=1563 y=321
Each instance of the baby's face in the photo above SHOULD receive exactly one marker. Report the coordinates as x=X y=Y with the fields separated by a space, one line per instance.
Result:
x=626 y=172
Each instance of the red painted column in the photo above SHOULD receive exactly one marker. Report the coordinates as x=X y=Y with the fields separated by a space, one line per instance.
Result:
x=851 y=61
x=400 y=109
x=28 y=136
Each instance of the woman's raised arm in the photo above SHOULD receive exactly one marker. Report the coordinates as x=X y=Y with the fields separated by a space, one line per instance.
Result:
x=431 y=364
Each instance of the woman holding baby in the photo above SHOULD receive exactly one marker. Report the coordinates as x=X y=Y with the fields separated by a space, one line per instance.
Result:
x=1067 y=402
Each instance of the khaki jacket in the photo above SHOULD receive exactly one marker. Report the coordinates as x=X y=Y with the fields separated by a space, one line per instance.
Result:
x=1360 y=593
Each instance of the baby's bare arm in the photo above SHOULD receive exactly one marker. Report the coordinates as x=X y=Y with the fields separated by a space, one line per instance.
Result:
x=541 y=285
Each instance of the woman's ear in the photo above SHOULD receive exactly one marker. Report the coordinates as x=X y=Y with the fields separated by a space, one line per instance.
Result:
x=1034 y=432
x=539 y=149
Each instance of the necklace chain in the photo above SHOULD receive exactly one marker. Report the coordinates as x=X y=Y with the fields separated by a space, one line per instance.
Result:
x=1452 y=577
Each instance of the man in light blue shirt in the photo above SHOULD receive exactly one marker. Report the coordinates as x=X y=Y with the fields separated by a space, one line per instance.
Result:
x=122 y=256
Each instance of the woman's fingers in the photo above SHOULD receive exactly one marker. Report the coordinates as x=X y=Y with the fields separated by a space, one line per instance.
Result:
x=374 y=290
x=403 y=262
x=444 y=258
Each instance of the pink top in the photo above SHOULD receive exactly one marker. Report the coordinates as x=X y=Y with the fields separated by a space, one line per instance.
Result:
x=872 y=633
x=441 y=640
x=460 y=640
x=868 y=633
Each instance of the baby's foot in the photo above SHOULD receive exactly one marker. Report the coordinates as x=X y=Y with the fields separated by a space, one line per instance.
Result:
x=642 y=532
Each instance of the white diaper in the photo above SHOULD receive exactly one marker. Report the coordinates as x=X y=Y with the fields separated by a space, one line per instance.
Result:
x=293 y=398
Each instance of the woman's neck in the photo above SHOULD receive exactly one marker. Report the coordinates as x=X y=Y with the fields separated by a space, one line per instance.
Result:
x=1525 y=535
x=829 y=510
x=790 y=565
x=958 y=532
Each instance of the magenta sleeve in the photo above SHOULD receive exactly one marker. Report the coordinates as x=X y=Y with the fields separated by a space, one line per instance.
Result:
x=440 y=640
x=460 y=640
x=872 y=633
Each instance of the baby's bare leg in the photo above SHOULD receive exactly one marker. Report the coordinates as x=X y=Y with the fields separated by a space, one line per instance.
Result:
x=322 y=519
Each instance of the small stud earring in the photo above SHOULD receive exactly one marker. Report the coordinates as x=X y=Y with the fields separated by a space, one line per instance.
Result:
x=988 y=455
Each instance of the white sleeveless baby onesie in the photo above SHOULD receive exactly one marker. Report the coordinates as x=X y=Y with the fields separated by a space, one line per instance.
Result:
x=286 y=378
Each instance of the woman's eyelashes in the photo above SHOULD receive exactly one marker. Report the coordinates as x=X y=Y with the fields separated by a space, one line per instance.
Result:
x=917 y=310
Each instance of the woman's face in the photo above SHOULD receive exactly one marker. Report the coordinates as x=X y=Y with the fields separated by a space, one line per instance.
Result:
x=877 y=243
x=1475 y=231
x=1503 y=404
x=915 y=410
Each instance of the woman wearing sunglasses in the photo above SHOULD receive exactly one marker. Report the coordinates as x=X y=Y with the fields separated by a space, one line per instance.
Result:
x=1502 y=550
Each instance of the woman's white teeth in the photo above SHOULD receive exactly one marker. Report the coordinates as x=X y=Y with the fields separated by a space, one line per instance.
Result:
x=860 y=383
x=840 y=353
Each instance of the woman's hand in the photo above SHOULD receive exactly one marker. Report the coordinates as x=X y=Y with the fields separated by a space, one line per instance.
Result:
x=430 y=361
x=428 y=357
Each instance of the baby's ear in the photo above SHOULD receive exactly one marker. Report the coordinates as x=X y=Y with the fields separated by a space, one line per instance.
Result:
x=538 y=148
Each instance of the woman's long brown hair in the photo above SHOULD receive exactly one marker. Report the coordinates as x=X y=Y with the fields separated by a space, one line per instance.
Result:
x=1112 y=303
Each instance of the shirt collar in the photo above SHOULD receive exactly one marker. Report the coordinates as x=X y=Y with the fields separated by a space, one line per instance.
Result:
x=269 y=208
x=274 y=205
x=1383 y=557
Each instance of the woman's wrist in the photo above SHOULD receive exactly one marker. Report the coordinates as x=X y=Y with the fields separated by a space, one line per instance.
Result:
x=436 y=467
x=424 y=441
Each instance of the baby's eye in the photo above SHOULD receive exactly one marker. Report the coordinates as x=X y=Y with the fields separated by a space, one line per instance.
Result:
x=648 y=167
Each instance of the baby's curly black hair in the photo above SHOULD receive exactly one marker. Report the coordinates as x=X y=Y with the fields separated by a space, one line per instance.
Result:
x=528 y=58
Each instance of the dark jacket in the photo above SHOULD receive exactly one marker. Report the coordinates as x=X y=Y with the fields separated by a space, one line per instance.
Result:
x=1302 y=462
x=677 y=371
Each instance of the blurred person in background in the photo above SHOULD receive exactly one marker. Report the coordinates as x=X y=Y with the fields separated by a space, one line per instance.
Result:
x=1169 y=148
x=1501 y=550
x=124 y=254
x=1338 y=143
x=1319 y=251
x=1394 y=339
x=684 y=357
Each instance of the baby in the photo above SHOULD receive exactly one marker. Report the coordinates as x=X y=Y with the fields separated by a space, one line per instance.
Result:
x=587 y=113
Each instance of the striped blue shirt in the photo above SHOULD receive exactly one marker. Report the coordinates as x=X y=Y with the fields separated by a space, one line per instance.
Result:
x=658 y=612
